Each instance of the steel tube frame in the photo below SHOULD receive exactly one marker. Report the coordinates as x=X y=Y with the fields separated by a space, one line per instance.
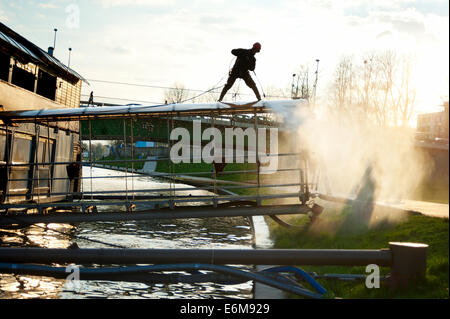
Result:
x=162 y=174
x=168 y=189
x=134 y=160
x=186 y=200
x=317 y=257
x=176 y=213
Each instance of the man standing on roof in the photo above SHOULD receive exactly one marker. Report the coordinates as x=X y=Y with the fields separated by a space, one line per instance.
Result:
x=245 y=62
x=91 y=99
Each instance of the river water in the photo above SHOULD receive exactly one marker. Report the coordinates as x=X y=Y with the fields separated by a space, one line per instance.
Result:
x=217 y=233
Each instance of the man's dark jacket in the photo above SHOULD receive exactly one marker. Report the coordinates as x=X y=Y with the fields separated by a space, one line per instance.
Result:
x=245 y=61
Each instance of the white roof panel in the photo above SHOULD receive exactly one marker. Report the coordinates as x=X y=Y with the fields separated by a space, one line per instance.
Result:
x=283 y=107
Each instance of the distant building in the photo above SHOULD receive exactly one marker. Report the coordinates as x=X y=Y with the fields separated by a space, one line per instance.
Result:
x=142 y=144
x=434 y=126
x=33 y=79
x=140 y=149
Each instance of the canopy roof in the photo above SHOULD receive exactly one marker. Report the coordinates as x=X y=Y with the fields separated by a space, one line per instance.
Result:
x=18 y=45
x=283 y=107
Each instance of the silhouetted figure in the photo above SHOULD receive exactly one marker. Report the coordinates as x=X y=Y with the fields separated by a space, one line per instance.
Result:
x=245 y=62
x=91 y=99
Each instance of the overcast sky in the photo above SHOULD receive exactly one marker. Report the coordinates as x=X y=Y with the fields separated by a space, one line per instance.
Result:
x=159 y=42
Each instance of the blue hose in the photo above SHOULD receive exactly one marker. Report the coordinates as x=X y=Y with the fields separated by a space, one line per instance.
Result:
x=302 y=274
x=60 y=272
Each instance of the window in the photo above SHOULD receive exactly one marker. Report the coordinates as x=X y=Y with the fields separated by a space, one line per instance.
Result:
x=2 y=147
x=4 y=66
x=23 y=78
x=21 y=149
x=18 y=175
x=46 y=85
x=45 y=154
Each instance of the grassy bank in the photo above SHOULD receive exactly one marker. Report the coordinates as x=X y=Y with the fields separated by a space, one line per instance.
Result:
x=336 y=230
x=136 y=165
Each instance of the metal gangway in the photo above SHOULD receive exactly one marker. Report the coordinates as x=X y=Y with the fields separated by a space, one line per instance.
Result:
x=254 y=194
x=290 y=188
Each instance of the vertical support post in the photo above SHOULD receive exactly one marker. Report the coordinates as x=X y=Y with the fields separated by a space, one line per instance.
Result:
x=49 y=160
x=36 y=158
x=255 y=118
x=214 y=166
x=126 y=161
x=172 y=168
x=307 y=195
x=301 y=194
x=8 y=161
x=80 y=176
x=409 y=262
x=90 y=158
x=132 y=156
x=169 y=163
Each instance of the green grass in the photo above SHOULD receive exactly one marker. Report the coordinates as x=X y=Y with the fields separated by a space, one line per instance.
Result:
x=336 y=230
x=136 y=165
x=163 y=167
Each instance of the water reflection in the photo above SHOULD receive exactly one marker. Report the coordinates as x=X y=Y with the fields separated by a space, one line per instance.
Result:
x=184 y=233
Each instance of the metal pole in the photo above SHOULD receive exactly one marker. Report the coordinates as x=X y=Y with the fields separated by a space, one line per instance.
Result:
x=80 y=176
x=132 y=157
x=36 y=157
x=214 y=168
x=169 y=161
x=70 y=53
x=90 y=156
x=257 y=155
x=176 y=213
x=54 y=40
x=9 y=144
x=126 y=161
x=49 y=158
x=336 y=257
x=315 y=83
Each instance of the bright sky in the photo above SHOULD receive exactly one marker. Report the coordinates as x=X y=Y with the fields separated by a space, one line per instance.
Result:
x=158 y=42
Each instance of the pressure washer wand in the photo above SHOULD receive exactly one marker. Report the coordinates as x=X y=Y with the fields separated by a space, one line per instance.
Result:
x=259 y=84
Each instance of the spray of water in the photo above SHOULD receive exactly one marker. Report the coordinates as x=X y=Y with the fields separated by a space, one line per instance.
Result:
x=358 y=160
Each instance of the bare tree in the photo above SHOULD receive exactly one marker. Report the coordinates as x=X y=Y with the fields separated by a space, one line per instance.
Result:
x=342 y=87
x=407 y=94
x=177 y=94
x=275 y=93
x=378 y=90
x=367 y=86
x=304 y=82
x=387 y=63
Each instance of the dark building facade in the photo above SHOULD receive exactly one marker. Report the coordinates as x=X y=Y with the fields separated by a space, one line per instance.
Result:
x=33 y=79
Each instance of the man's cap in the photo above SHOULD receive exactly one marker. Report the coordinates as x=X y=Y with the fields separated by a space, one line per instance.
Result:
x=257 y=46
